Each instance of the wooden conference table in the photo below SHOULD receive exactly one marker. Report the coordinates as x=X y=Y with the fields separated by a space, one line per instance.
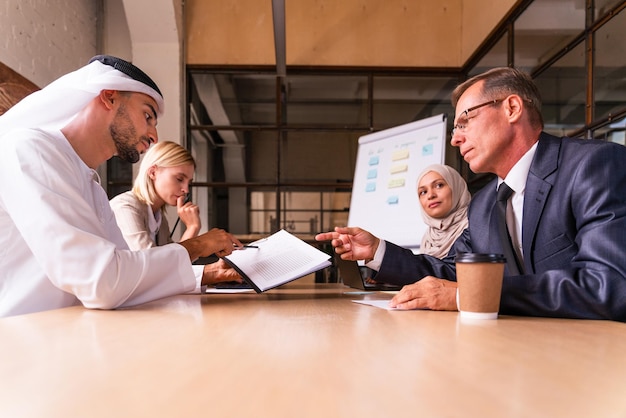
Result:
x=305 y=350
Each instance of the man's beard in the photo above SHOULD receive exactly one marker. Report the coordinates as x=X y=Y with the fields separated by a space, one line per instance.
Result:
x=122 y=131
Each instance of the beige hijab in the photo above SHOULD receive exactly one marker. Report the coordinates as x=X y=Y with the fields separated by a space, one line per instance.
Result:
x=442 y=232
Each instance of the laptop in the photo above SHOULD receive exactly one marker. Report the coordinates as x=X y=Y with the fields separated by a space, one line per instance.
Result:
x=351 y=275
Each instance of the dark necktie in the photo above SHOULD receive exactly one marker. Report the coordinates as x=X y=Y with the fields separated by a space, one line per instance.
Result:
x=504 y=192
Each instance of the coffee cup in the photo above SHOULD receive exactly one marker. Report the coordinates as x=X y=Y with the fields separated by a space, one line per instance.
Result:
x=479 y=280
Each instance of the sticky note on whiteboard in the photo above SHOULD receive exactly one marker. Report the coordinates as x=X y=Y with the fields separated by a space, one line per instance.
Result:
x=399 y=168
x=393 y=200
x=402 y=154
x=393 y=183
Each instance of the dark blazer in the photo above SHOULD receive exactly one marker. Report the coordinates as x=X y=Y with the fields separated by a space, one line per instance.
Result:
x=573 y=235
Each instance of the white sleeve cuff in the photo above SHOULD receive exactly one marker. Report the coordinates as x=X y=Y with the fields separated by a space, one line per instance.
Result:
x=198 y=270
x=378 y=256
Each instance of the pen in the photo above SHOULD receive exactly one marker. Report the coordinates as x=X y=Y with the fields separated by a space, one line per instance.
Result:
x=250 y=246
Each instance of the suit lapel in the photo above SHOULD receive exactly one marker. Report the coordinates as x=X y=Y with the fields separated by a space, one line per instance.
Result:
x=538 y=186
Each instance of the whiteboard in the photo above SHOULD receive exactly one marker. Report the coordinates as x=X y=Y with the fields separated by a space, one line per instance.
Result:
x=384 y=190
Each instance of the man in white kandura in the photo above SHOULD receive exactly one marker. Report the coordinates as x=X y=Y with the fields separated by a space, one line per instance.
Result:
x=60 y=244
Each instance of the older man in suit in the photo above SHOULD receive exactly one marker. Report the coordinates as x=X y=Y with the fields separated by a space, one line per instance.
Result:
x=565 y=212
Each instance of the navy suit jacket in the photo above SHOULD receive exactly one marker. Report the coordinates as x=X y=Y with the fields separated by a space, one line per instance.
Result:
x=573 y=235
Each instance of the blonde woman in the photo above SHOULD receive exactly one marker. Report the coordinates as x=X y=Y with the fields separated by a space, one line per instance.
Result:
x=164 y=176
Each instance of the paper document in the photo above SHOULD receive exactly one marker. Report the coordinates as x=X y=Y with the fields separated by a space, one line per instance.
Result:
x=227 y=291
x=278 y=259
x=379 y=303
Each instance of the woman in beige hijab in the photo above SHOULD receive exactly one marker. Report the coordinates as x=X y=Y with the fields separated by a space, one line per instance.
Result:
x=444 y=199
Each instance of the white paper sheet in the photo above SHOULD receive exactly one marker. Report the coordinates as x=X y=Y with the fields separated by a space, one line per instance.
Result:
x=214 y=290
x=380 y=303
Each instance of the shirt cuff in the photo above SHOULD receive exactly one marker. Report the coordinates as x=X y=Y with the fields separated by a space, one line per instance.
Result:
x=198 y=270
x=378 y=256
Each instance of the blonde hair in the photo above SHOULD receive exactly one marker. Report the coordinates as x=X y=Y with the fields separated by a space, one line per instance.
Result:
x=163 y=154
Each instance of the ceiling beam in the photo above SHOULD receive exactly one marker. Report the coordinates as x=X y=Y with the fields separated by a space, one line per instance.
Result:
x=278 y=12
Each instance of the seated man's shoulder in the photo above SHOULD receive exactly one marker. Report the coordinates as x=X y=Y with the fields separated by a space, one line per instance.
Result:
x=589 y=147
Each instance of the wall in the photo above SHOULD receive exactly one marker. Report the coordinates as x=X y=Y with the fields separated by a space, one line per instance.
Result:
x=155 y=28
x=326 y=32
x=116 y=35
x=479 y=17
x=43 y=40
x=396 y=33
x=229 y=32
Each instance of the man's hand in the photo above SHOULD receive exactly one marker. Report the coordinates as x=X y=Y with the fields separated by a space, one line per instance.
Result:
x=218 y=272
x=216 y=241
x=352 y=243
x=428 y=293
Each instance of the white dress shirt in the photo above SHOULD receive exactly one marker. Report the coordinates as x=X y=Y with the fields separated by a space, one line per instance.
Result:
x=516 y=179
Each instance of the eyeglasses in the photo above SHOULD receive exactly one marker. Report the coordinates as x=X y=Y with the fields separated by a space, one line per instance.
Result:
x=463 y=118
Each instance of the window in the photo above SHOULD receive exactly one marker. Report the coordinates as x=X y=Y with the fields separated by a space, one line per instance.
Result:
x=281 y=152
